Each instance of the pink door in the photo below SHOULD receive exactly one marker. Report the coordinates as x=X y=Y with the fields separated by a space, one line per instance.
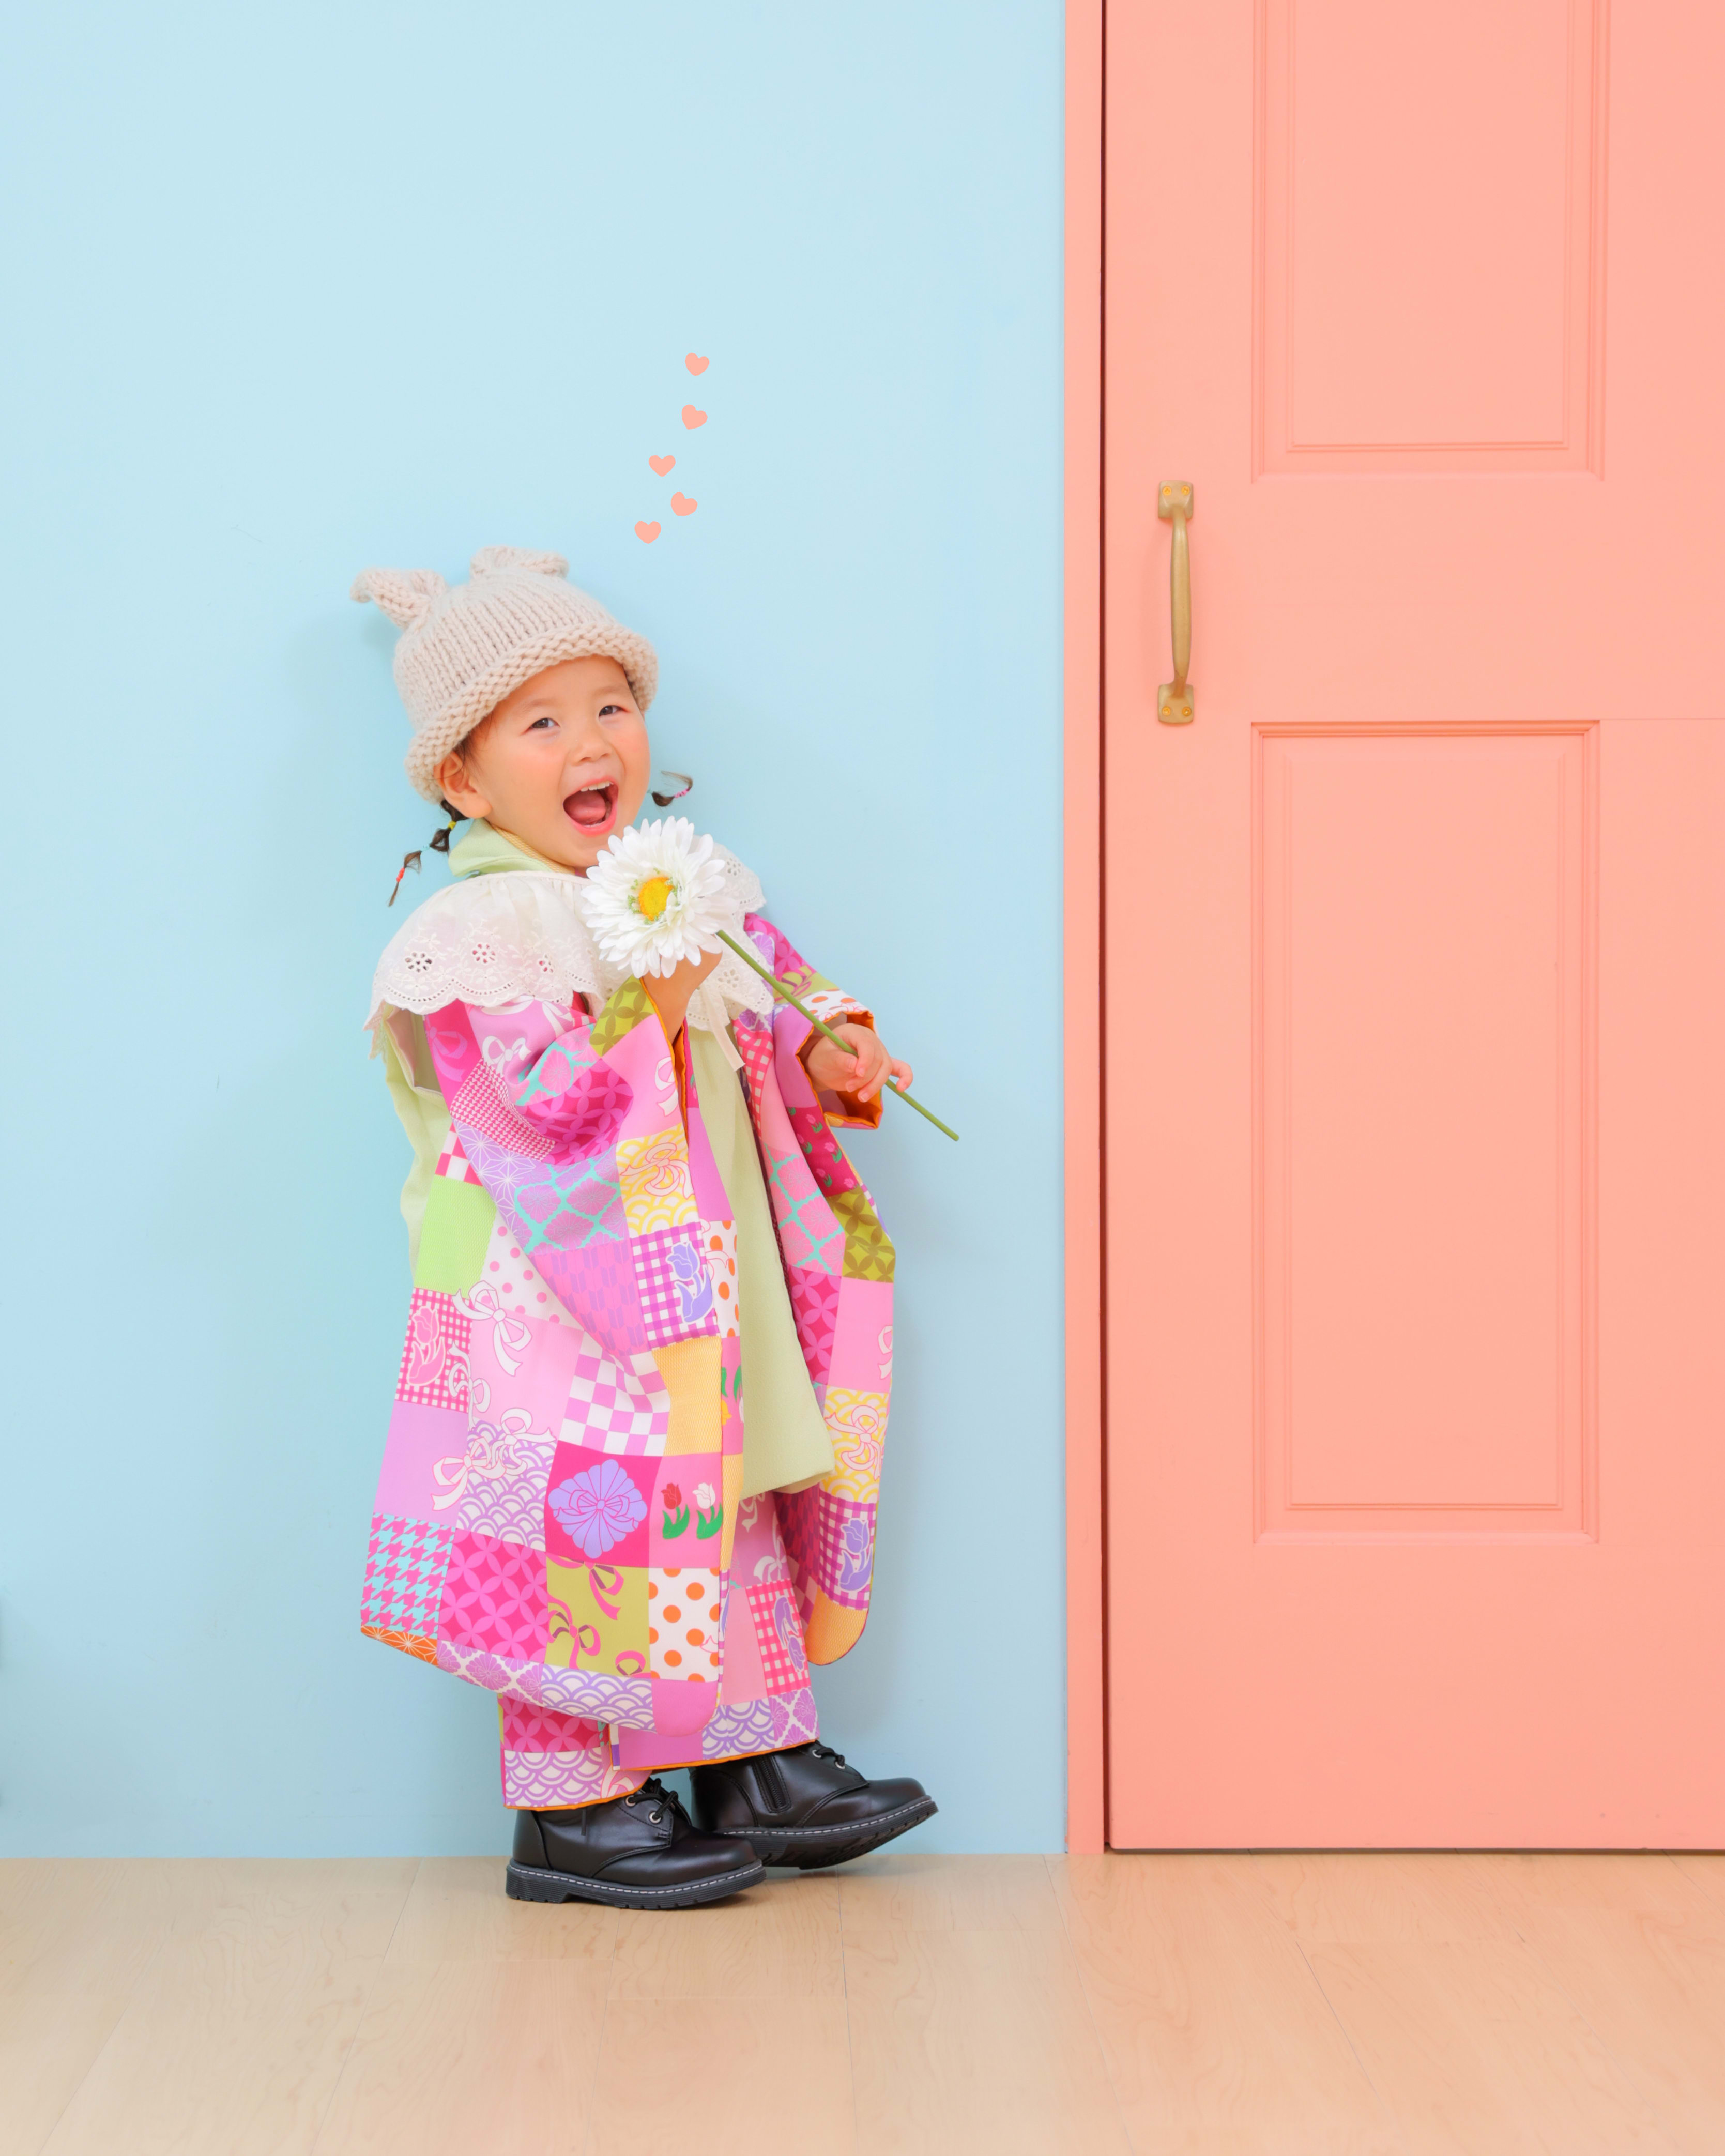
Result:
x=1415 y=991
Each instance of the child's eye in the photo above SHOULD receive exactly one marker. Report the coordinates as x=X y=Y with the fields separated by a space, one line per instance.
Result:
x=606 y=709
x=546 y=721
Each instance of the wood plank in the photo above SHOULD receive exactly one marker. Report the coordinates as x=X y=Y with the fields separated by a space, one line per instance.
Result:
x=237 y=2039
x=974 y=2039
x=477 y=2057
x=1215 y=2032
x=49 y=2042
x=723 y=2077
x=1328 y=1898
x=76 y=1935
x=1640 y=1947
x=1706 y=1867
x=458 y=1911
x=61 y=1916
x=1478 y=2051
x=907 y=1893
x=780 y=1940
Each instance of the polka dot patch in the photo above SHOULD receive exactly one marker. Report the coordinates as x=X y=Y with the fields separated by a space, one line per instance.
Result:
x=682 y=1638
x=718 y=1243
x=515 y=1282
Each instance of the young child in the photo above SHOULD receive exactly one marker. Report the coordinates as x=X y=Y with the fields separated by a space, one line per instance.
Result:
x=626 y=1207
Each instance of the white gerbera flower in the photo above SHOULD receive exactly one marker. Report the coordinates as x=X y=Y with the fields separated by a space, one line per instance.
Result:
x=654 y=897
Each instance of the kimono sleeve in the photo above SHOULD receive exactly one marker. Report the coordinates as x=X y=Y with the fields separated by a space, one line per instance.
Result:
x=794 y=1035
x=541 y=1065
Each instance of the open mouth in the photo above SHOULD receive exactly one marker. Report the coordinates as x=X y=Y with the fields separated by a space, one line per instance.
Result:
x=593 y=807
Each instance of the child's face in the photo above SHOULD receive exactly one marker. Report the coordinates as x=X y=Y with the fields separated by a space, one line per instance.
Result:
x=562 y=763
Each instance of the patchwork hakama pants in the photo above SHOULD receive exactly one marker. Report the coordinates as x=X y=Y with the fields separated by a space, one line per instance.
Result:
x=551 y=1760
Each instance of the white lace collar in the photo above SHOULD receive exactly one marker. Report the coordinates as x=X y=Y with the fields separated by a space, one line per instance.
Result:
x=502 y=937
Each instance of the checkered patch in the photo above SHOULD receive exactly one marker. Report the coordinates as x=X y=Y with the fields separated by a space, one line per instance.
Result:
x=779 y=1635
x=754 y=1043
x=479 y=1104
x=453 y=1163
x=611 y=1409
x=434 y=1358
x=405 y=1564
x=675 y=1285
x=831 y=1541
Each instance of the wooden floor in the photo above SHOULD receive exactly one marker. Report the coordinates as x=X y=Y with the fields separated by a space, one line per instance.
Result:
x=1154 y=2004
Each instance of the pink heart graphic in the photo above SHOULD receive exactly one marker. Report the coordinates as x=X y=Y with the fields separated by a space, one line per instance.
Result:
x=695 y=363
x=661 y=464
x=691 y=417
x=650 y=532
x=682 y=504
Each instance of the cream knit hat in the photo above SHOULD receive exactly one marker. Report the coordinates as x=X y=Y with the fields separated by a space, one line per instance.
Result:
x=462 y=648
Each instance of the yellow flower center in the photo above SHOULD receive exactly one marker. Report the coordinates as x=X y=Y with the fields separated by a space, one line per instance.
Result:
x=654 y=896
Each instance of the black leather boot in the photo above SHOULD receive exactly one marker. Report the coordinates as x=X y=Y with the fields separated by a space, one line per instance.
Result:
x=636 y=1852
x=804 y=1808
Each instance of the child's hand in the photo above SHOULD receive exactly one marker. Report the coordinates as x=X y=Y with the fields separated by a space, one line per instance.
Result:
x=862 y=1073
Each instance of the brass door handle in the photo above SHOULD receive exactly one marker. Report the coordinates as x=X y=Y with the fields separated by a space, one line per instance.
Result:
x=1173 y=699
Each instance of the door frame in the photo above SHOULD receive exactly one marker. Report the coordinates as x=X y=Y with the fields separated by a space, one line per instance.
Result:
x=1085 y=1372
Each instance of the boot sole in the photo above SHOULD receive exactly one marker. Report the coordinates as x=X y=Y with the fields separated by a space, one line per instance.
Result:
x=529 y=1882
x=811 y=1848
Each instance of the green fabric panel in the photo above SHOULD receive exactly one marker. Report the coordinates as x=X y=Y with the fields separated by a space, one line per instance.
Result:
x=425 y=1115
x=625 y=1008
x=784 y=1438
x=867 y=1252
x=452 y=1238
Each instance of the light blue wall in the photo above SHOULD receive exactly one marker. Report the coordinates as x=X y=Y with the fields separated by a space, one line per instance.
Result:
x=290 y=290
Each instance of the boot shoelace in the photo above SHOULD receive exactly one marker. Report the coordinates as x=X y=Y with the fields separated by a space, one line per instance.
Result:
x=662 y=1798
x=826 y=1752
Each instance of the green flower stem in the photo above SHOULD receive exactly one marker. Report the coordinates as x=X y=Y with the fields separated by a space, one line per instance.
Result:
x=783 y=993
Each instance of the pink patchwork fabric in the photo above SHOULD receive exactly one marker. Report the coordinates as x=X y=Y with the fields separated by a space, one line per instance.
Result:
x=668 y=1270
x=778 y=1634
x=453 y=1164
x=814 y=1305
x=832 y=1541
x=794 y=1720
x=405 y=1564
x=754 y=1043
x=831 y=1170
x=494 y=1597
x=589 y=1115
x=434 y=1363
x=542 y=1729
x=547 y=1781
x=480 y=1107
x=612 y=1409
x=529 y=1088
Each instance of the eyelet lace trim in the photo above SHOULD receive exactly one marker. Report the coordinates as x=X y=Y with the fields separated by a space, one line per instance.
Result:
x=494 y=940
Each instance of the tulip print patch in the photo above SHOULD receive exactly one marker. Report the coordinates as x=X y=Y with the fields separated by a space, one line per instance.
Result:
x=677 y=1294
x=434 y=1363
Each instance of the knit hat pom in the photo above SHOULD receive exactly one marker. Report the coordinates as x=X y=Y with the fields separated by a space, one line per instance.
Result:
x=490 y=559
x=405 y=595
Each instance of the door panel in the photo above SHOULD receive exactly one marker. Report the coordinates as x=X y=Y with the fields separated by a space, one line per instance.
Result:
x=1414 y=935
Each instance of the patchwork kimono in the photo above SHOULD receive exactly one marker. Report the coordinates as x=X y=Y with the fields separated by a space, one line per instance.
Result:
x=569 y=1512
